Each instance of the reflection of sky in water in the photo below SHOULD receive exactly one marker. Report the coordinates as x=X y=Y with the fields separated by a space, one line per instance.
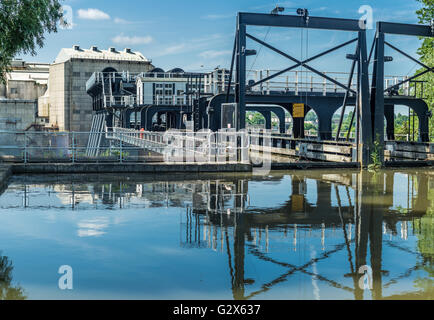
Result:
x=138 y=249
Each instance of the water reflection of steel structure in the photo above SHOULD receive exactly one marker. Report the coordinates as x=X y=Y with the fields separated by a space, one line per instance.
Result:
x=360 y=221
x=176 y=99
x=352 y=210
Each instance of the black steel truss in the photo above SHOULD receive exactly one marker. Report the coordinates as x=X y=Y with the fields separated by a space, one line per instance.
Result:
x=377 y=88
x=240 y=52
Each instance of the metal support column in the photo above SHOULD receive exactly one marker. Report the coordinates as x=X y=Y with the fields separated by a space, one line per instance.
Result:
x=364 y=114
x=377 y=95
x=241 y=75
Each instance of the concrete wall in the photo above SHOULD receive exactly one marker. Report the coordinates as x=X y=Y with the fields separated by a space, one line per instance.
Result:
x=44 y=106
x=70 y=107
x=17 y=115
x=2 y=90
x=24 y=90
x=56 y=89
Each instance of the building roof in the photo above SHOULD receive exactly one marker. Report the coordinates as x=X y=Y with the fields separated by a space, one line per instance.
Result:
x=94 y=53
x=29 y=71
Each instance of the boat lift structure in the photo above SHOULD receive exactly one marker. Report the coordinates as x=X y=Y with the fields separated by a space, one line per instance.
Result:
x=115 y=96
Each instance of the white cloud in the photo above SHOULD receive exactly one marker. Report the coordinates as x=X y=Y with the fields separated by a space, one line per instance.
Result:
x=92 y=14
x=121 y=21
x=218 y=16
x=92 y=228
x=121 y=39
x=190 y=45
x=211 y=54
x=270 y=6
x=173 y=49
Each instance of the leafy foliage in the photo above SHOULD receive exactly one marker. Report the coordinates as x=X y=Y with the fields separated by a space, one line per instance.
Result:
x=426 y=52
x=255 y=118
x=375 y=155
x=23 y=24
x=7 y=291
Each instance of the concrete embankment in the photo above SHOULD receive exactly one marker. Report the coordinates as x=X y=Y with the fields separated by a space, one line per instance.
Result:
x=409 y=164
x=302 y=165
x=72 y=168
x=6 y=170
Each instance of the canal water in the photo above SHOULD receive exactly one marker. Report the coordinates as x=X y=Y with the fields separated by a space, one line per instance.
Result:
x=288 y=235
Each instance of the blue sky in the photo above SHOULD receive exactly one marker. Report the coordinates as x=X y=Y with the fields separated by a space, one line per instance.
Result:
x=198 y=35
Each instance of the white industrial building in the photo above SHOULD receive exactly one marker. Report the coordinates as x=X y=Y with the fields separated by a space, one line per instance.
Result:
x=25 y=83
x=169 y=88
x=70 y=107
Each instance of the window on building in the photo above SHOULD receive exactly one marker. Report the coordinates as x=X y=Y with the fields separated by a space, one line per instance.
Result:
x=76 y=74
x=14 y=90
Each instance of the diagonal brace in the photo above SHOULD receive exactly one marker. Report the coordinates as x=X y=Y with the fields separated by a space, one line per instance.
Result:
x=300 y=63
x=408 y=56
x=344 y=104
x=408 y=79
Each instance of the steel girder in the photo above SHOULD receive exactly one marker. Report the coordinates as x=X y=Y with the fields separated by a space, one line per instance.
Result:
x=377 y=100
x=240 y=52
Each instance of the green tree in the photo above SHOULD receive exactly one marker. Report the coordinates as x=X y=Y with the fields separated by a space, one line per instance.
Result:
x=23 y=24
x=255 y=118
x=426 y=52
x=7 y=291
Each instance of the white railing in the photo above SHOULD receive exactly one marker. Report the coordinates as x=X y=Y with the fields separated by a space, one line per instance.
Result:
x=176 y=145
x=299 y=81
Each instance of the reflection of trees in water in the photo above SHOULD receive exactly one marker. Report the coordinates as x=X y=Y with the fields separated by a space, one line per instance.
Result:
x=371 y=207
x=425 y=231
x=7 y=291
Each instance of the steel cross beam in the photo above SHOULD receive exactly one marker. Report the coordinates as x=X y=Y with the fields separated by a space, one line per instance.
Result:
x=406 y=55
x=290 y=21
x=428 y=69
x=408 y=79
x=405 y=29
x=344 y=104
x=364 y=129
x=377 y=89
x=302 y=63
x=293 y=269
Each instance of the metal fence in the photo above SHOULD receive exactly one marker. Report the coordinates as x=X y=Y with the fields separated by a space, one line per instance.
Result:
x=119 y=145
x=67 y=147
x=189 y=146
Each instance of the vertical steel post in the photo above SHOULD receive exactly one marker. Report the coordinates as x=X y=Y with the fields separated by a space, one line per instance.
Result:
x=234 y=52
x=241 y=75
x=25 y=147
x=120 y=148
x=364 y=115
x=377 y=96
x=344 y=104
x=73 y=146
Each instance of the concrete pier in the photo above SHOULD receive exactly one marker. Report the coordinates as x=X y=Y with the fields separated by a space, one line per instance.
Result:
x=69 y=168
x=164 y=168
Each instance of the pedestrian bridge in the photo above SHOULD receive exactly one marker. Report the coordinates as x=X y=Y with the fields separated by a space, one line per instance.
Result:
x=208 y=146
